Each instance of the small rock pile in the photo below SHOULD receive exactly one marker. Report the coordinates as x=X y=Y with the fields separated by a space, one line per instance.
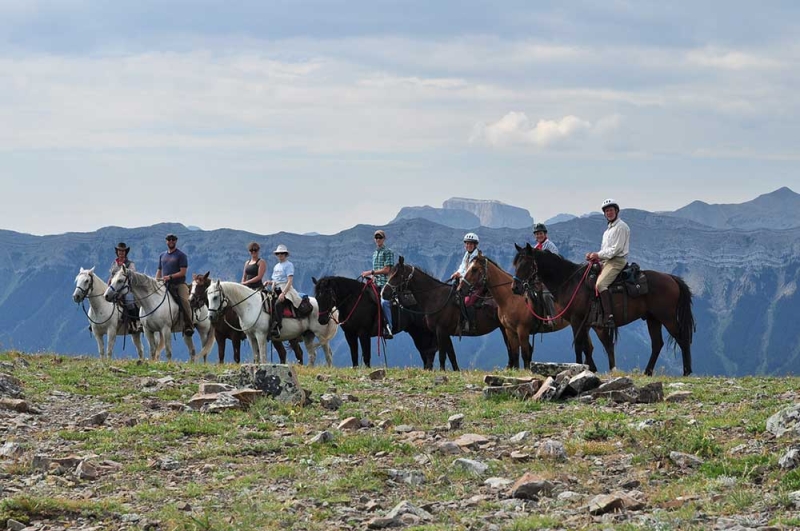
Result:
x=568 y=380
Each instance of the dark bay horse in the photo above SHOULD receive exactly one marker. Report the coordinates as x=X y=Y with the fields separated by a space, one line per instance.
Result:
x=228 y=326
x=438 y=303
x=358 y=304
x=515 y=314
x=668 y=302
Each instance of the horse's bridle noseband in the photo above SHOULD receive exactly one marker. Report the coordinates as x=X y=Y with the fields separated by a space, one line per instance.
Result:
x=86 y=292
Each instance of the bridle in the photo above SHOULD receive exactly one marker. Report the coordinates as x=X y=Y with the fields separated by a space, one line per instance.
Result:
x=398 y=291
x=85 y=292
x=534 y=277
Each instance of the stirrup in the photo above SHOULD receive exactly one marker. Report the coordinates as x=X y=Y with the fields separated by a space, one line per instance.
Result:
x=610 y=322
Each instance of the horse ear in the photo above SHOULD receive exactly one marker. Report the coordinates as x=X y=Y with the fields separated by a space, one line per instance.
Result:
x=528 y=247
x=314 y=281
x=91 y=270
x=519 y=249
x=205 y=277
x=480 y=253
x=401 y=261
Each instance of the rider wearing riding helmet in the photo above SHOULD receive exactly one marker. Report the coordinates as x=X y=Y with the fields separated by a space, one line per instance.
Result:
x=613 y=254
x=471 y=242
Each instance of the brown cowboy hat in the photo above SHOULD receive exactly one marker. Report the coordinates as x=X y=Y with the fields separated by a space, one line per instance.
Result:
x=122 y=247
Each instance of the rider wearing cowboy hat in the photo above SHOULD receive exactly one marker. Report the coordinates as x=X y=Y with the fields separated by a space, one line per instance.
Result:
x=283 y=278
x=613 y=254
x=131 y=314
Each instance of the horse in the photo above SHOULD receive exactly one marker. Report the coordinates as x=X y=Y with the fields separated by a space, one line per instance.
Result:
x=158 y=312
x=516 y=316
x=226 y=326
x=358 y=304
x=256 y=322
x=104 y=316
x=668 y=303
x=438 y=305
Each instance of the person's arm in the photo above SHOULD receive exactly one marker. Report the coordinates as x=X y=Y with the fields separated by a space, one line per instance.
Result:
x=244 y=272
x=614 y=246
x=262 y=268
x=158 y=271
x=179 y=275
x=132 y=266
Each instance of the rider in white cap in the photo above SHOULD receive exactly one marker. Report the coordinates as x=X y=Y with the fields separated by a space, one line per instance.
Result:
x=471 y=242
x=613 y=254
x=283 y=278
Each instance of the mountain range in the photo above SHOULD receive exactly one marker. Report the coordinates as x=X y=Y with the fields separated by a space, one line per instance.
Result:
x=744 y=277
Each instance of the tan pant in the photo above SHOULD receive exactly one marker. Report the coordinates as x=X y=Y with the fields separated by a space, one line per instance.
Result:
x=611 y=269
x=183 y=299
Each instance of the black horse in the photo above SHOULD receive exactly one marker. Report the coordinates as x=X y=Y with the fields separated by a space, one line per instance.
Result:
x=358 y=304
x=438 y=303
x=668 y=303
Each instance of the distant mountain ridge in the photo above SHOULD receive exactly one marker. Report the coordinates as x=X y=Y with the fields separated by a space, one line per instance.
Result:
x=776 y=210
x=463 y=213
x=745 y=283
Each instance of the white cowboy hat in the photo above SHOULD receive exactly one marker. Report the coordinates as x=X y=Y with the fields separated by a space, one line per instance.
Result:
x=281 y=249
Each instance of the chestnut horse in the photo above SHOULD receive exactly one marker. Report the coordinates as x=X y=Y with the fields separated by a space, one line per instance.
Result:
x=227 y=325
x=668 y=303
x=516 y=313
x=358 y=309
x=437 y=302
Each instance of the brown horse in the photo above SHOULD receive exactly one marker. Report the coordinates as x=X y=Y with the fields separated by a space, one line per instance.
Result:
x=668 y=303
x=437 y=302
x=517 y=314
x=228 y=326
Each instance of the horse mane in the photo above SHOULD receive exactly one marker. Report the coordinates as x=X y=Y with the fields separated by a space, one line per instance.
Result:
x=496 y=265
x=330 y=281
x=551 y=264
x=238 y=290
x=137 y=279
x=430 y=276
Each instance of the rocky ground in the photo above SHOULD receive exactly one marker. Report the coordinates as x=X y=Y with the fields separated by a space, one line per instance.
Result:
x=91 y=445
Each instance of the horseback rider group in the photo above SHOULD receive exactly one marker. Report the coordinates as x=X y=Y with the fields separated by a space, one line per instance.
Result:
x=173 y=264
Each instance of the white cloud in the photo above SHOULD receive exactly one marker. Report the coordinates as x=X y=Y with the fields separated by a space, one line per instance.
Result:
x=515 y=128
x=730 y=59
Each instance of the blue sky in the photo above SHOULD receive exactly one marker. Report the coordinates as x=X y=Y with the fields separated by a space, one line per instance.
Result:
x=316 y=116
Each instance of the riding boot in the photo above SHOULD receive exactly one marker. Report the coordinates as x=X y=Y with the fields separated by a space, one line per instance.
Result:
x=608 y=309
x=277 y=319
x=464 y=318
x=472 y=323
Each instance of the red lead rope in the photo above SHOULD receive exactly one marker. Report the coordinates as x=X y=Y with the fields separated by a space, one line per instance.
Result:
x=550 y=319
x=371 y=284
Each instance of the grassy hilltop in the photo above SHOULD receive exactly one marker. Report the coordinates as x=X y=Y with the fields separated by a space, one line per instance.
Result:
x=153 y=465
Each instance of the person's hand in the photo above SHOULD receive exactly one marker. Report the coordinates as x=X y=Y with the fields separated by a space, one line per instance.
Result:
x=367 y=273
x=455 y=275
x=281 y=297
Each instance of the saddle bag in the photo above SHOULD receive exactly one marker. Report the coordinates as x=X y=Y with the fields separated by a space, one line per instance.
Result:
x=635 y=281
x=305 y=308
x=407 y=299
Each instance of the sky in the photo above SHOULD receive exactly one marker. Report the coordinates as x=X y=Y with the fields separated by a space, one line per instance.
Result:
x=315 y=116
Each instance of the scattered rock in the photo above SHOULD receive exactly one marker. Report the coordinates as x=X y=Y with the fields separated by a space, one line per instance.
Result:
x=530 y=487
x=86 y=470
x=448 y=448
x=275 y=380
x=519 y=437
x=98 y=419
x=10 y=386
x=321 y=437
x=330 y=401
x=552 y=449
x=455 y=421
x=651 y=393
x=553 y=369
x=246 y=396
x=410 y=477
x=223 y=402
x=405 y=507
x=678 y=396
x=11 y=449
x=14 y=525
x=378 y=374
x=685 y=460
x=790 y=459
x=471 y=440
x=18 y=405
x=546 y=391
x=785 y=421
x=614 y=384
x=404 y=428
x=350 y=423
x=497 y=483
x=584 y=381
x=209 y=388
x=606 y=503
x=472 y=466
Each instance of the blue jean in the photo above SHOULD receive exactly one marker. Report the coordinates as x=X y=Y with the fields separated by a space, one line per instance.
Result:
x=387 y=310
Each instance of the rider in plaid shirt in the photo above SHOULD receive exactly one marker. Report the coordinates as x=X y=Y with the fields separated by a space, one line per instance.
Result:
x=382 y=262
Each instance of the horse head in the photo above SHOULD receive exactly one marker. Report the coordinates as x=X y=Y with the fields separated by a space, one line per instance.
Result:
x=84 y=283
x=525 y=269
x=119 y=285
x=475 y=276
x=397 y=283
x=197 y=293
x=216 y=299
x=325 y=294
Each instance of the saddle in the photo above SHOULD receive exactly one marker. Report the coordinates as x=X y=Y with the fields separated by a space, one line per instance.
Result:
x=302 y=311
x=631 y=280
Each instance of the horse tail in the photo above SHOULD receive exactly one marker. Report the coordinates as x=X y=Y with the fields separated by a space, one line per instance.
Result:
x=686 y=324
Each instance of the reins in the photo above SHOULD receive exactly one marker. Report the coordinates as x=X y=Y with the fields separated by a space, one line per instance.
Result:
x=571 y=300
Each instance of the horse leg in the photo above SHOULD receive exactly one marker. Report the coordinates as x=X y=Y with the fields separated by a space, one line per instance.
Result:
x=137 y=341
x=582 y=344
x=607 y=339
x=278 y=345
x=237 y=349
x=207 y=338
x=424 y=350
x=298 y=351
x=366 y=349
x=101 y=344
x=523 y=339
x=352 y=343
x=190 y=345
x=263 y=340
x=326 y=348
x=656 y=343
x=220 y=346
x=155 y=346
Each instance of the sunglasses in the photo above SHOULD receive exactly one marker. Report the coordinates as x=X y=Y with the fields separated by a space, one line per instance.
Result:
x=172 y=239
x=253 y=250
x=379 y=237
x=278 y=254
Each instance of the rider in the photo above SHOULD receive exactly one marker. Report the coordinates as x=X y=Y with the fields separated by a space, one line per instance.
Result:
x=543 y=243
x=613 y=254
x=131 y=313
x=471 y=242
x=283 y=278
x=172 y=266
x=382 y=262
x=254 y=268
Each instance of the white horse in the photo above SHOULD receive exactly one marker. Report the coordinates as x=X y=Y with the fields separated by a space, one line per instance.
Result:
x=104 y=316
x=256 y=323
x=159 y=312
